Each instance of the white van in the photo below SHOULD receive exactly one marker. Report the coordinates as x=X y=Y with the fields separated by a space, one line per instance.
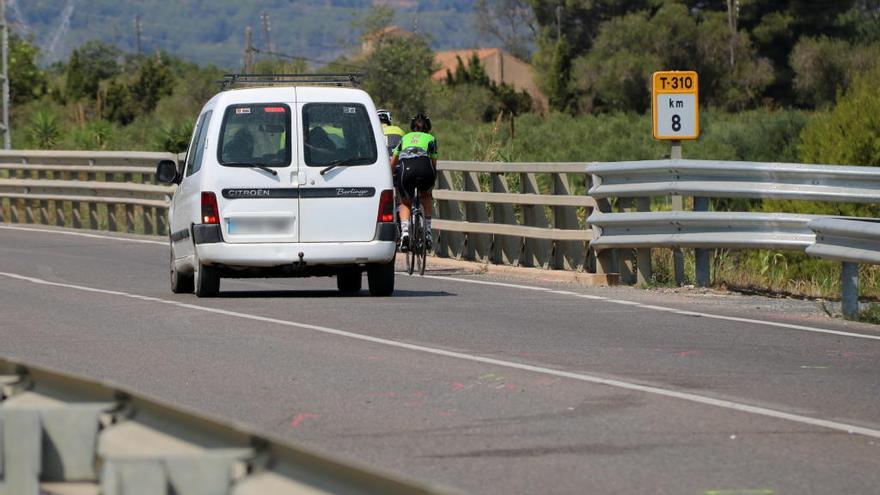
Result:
x=283 y=181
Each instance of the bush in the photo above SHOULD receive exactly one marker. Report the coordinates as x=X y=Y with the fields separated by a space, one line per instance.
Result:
x=850 y=133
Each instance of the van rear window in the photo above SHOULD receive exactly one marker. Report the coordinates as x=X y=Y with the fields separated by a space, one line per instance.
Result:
x=338 y=132
x=257 y=134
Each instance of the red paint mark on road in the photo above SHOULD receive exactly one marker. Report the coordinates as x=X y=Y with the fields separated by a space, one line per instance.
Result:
x=456 y=386
x=444 y=413
x=686 y=353
x=510 y=386
x=299 y=418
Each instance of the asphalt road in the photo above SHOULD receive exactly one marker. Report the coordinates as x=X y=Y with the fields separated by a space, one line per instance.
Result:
x=483 y=384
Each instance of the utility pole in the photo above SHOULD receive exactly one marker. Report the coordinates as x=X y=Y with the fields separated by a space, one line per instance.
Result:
x=7 y=132
x=266 y=35
x=137 y=32
x=248 y=51
x=732 y=13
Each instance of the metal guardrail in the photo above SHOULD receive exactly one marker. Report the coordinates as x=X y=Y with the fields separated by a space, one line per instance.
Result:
x=482 y=217
x=112 y=190
x=841 y=239
x=703 y=229
x=850 y=241
x=724 y=179
x=692 y=229
x=60 y=433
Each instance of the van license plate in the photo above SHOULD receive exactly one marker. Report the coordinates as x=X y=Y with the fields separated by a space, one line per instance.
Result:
x=258 y=226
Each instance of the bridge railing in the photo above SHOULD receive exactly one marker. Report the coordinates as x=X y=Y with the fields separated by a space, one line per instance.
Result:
x=529 y=214
x=112 y=190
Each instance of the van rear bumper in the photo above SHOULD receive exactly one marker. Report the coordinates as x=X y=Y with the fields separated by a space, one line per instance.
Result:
x=278 y=254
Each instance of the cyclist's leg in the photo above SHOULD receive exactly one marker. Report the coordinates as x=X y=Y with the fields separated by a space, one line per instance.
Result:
x=407 y=187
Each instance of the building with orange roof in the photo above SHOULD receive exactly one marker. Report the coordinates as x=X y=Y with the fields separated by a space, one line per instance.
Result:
x=500 y=66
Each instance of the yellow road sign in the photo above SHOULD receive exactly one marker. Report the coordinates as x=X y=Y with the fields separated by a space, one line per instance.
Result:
x=675 y=105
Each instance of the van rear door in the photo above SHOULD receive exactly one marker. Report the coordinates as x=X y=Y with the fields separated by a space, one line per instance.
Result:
x=344 y=168
x=257 y=174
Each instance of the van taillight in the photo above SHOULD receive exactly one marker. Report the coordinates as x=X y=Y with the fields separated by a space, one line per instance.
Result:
x=386 y=206
x=210 y=211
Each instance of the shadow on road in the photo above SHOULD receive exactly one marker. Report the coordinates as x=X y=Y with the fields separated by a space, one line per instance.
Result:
x=305 y=294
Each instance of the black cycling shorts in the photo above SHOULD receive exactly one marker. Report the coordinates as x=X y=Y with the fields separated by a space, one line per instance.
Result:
x=417 y=172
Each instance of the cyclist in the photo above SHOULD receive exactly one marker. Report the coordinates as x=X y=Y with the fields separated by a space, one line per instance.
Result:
x=417 y=154
x=392 y=132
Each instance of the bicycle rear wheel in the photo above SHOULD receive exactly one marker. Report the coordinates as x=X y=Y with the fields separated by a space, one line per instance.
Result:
x=411 y=253
x=422 y=253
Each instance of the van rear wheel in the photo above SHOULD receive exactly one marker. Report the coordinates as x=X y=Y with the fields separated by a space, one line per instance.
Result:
x=380 y=277
x=181 y=283
x=349 y=281
x=207 y=281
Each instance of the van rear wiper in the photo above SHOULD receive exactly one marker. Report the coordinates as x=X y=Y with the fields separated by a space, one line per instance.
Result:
x=341 y=163
x=252 y=165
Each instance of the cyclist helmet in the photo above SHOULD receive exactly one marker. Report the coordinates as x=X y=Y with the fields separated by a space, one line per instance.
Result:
x=384 y=116
x=420 y=120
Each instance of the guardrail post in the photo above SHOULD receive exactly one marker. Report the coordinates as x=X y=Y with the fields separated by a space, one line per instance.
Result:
x=448 y=244
x=94 y=220
x=478 y=245
x=112 y=225
x=677 y=205
x=701 y=256
x=569 y=255
x=506 y=249
x=625 y=256
x=604 y=258
x=645 y=272
x=849 y=290
x=162 y=221
x=537 y=251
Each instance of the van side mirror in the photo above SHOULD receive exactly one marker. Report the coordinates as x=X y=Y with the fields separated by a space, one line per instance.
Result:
x=166 y=172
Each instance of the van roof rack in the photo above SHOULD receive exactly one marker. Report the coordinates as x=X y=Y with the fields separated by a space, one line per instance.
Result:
x=231 y=81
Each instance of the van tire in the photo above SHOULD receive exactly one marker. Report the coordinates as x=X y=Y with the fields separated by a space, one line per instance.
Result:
x=349 y=281
x=181 y=283
x=207 y=281
x=380 y=278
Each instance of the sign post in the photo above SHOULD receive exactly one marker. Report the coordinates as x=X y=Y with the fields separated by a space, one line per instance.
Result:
x=675 y=105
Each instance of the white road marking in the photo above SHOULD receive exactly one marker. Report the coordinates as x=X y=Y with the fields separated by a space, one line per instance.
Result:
x=83 y=234
x=677 y=311
x=699 y=399
x=790 y=326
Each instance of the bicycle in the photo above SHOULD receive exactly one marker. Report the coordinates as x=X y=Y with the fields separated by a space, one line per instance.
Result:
x=417 y=254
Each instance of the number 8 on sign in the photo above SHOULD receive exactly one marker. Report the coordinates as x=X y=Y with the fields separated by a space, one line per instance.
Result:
x=675 y=105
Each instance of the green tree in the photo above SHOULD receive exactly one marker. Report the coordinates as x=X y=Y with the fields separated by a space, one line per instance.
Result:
x=616 y=73
x=399 y=76
x=505 y=99
x=849 y=134
x=26 y=80
x=824 y=67
x=567 y=29
x=89 y=65
x=127 y=97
